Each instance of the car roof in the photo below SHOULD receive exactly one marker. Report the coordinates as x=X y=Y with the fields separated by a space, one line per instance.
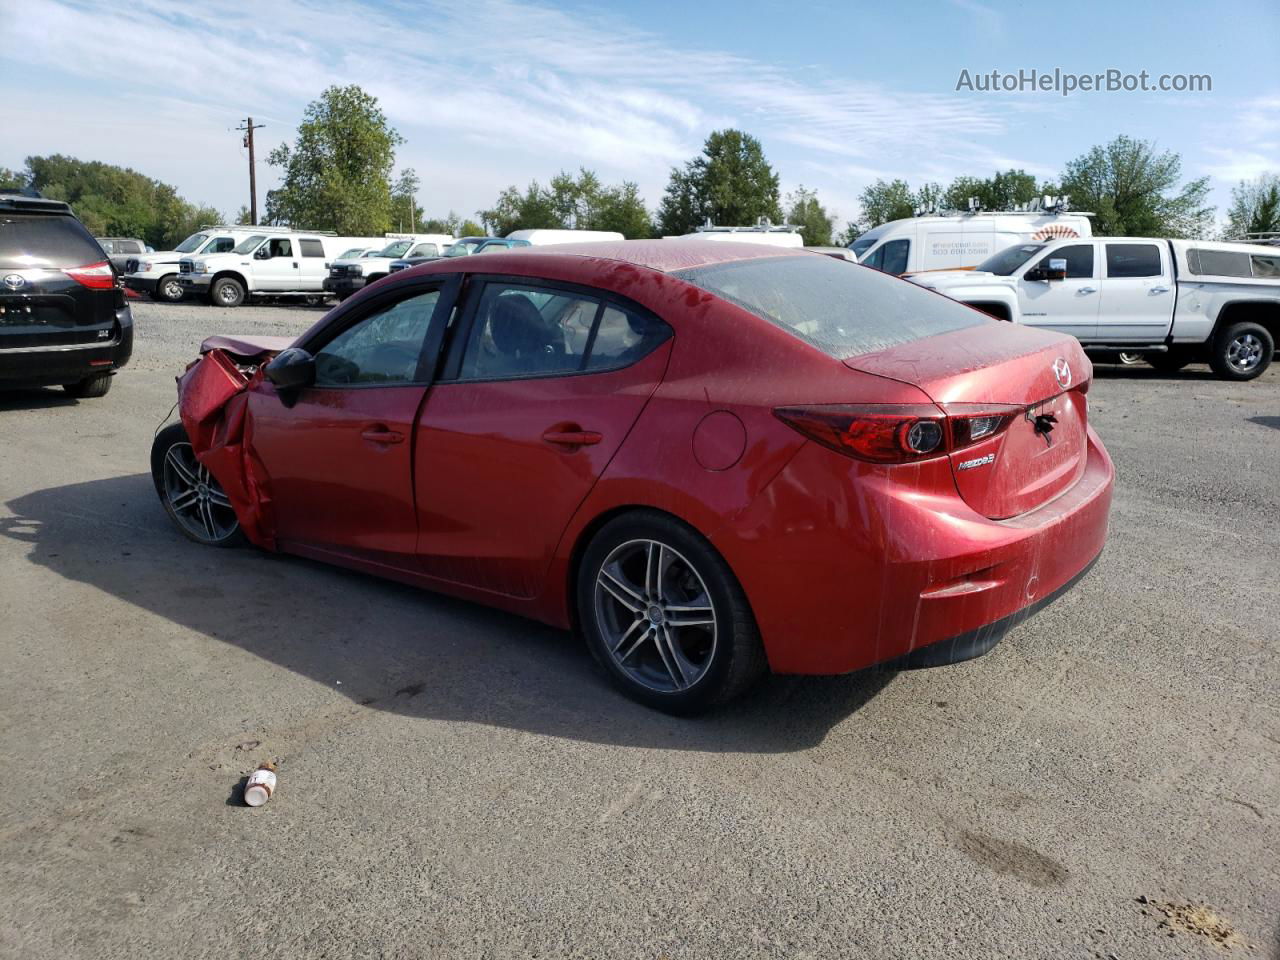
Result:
x=664 y=256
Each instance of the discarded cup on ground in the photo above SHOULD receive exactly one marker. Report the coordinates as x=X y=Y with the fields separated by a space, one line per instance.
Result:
x=260 y=785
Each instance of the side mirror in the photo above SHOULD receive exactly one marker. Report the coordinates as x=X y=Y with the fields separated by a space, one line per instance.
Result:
x=291 y=370
x=1057 y=269
x=262 y=253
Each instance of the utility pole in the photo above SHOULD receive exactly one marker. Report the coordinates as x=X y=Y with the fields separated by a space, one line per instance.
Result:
x=248 y=129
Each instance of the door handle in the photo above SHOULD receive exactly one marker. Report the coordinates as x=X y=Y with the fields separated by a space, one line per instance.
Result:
x=382 y=435
x=572 y=438
x=1160 y=289
x=1088 y=289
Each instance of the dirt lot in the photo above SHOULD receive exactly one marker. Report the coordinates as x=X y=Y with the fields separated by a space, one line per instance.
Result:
x=458 y=782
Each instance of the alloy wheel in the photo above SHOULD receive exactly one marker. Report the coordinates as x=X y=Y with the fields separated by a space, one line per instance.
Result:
x=655 y=615
x=194 y=497
x=1244 y=353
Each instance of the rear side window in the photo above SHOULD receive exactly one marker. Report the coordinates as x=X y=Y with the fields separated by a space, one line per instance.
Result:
x=44 y=240
x=622 y=337
x=1266 y=266
x=1133 y=260
x=221 y=245
x=311 y=248
x=840 y=309
x=1218 y=263
x=1079 y=259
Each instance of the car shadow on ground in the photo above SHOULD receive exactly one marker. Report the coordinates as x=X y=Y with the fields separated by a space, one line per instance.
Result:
x=391 y=647
x=1272 y=422
x=35 y=398
x=1142 y=371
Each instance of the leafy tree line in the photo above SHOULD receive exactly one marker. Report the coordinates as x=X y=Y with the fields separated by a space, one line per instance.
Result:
x=1133 y=190
x=113 y=201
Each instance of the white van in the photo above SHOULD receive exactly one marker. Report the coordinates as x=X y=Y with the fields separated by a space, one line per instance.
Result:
x=273 y=261
x=156 y=274
x=546 y=238
x=955 y=241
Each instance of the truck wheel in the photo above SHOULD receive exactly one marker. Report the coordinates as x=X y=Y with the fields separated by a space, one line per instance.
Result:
x=1130 y=357
x=1242 y=351
x=1168 y=362
x=168 y=289
x=89 y=387
x=227 y=292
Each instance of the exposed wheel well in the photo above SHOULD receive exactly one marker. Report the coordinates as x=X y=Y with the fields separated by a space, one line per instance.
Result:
x=998 y=310
x=1265 y=313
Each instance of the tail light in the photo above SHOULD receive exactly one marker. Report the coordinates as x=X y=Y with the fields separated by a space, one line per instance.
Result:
x=898 y=433
x=95 y=276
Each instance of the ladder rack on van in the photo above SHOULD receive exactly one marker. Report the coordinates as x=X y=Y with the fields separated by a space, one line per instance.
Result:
x=1047 y=206
x=265 y=228
x=762 y=226
x=1269 y=238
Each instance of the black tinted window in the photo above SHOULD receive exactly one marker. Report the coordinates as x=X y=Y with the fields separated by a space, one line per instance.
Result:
x=1218 y=263
x=1133 y=260
x=41 y=240
x=839 y=309
x=895 y=256
x=1079 y=261
x=311 y=248
x=382 y=348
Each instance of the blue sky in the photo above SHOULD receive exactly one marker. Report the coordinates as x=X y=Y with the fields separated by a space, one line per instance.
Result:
x=490 y=93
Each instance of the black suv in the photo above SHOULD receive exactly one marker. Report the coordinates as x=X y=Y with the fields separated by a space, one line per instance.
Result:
x=63 y=319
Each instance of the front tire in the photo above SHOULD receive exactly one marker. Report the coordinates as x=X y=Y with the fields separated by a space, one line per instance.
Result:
x=190 y=495
x=90 y=387
x=1170 y=362
x=665 y=616
x=1242 y=351
x=226 y=292
x=168 y=289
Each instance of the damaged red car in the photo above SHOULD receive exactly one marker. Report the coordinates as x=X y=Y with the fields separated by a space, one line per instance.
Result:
x=711 y=459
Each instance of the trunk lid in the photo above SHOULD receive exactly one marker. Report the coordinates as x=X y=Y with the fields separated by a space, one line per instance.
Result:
x=1035 y=378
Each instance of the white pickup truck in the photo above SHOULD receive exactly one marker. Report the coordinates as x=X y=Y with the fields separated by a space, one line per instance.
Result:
x=1173 y=301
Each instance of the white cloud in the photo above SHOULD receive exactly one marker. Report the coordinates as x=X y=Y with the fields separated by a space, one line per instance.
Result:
x=488 y=93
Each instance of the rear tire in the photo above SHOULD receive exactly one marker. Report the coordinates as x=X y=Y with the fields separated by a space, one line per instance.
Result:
x=190 y=495
x=168 y=289
x=664 y=615
x=90 y=387
x=226 y=292
x=1129 y=358
x=1242 y=351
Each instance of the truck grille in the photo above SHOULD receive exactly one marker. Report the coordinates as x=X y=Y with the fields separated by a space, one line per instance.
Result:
x=338 y=271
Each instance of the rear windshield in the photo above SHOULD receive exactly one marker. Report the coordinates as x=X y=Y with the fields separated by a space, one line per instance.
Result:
x=44 y=240
x=841 y=308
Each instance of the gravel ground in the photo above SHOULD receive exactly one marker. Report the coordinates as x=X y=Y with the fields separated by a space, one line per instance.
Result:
x=458 y=782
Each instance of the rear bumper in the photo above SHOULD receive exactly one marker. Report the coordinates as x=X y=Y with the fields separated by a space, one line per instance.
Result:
x=847 y=568
x=42 y=366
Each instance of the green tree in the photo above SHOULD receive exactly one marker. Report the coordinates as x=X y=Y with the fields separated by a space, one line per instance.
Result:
x=454 y=225
x=804 y=211
x=12 y=179
x=1255 y=206
x=1134 y=191
x=570 y=202
x=117 y=201
x=1002 y=191
x=243 y=217
x=730 y=183
x=406 y=213
x=881 y=202
x=337 y=174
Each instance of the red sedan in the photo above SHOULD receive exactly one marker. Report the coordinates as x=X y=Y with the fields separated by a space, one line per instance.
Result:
x=712 y=459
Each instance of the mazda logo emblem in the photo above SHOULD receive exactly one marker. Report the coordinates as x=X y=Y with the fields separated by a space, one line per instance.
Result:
x=1062 y=372
x=14 y=280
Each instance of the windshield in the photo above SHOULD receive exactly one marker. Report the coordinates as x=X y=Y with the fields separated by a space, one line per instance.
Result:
x=863 y=244
x=249 y=243
x=352 y=254
x=191 y=243
x=464 y=247
x=396 y=249
x=840 y=309
x=1009 y=259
